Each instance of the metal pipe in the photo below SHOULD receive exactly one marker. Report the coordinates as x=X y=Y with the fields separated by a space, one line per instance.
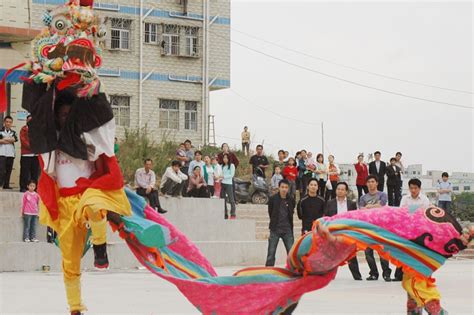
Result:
x=204 y=66
x=206 y=112
x=140 y=81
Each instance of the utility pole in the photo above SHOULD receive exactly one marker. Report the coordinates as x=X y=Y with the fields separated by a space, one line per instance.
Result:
x=205 y=74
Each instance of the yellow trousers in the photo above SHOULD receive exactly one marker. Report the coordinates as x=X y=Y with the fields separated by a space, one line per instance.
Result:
x=75 y=213
x=420 y=289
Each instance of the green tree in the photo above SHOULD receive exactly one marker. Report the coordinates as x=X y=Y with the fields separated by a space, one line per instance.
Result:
x=463 y=206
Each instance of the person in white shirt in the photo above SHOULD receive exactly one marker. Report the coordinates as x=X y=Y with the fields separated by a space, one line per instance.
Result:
x=173 y=180
x=416 y=199
x=196 y=162
x=8 y=137
x=145 y=181
x=445 y=189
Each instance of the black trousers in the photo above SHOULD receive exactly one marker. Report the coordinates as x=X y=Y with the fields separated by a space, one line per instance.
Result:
x=202 y=192
x=185 y=170
x=6 y=167
x=361 y=190
x=369 y=256
x=381 y=186
x=29 y=170
x=304 y=182
x=321 y=188
x=172 y=188
x=354 y=268
x=152 y=197
x=394 y=195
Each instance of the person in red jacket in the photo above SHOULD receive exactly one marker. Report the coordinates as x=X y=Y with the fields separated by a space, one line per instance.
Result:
x=29 y=164
x=290 y=172
x=362 y=173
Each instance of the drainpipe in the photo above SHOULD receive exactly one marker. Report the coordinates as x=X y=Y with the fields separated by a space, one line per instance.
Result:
x=204 y=70
x=140 y=81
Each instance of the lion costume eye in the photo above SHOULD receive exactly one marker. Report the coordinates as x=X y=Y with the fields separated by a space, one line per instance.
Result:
x=59 y=24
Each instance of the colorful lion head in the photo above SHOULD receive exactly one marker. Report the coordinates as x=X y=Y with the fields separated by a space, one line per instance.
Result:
x=69 y=48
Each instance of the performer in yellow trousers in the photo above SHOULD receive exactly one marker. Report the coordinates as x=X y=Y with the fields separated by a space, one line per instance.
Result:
x=76 y=213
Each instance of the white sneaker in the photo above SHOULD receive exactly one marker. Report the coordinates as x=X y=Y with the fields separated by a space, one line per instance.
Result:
x=26 y=240
x=34 y=240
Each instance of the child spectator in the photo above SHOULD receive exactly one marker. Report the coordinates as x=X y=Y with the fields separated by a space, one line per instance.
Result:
x=218 y=176
x=29 y=212
x=276 y=178
x=290 y=172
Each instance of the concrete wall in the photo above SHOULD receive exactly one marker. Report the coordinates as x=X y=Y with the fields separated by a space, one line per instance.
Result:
x=223 y=242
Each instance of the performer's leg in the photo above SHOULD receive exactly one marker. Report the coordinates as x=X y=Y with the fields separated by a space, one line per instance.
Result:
x=369 y=256
x=386 y=271
x=71 y=243
x=354 y=268
x=424 y=293
x=272 y=247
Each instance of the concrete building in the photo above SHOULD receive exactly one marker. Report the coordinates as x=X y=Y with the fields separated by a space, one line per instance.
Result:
x=160 y=61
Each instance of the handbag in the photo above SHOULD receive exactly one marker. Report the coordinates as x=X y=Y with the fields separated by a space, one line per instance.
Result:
x=328 y=184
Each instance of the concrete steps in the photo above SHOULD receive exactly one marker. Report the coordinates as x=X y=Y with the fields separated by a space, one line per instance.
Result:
x=259 y=213
x=224 y=242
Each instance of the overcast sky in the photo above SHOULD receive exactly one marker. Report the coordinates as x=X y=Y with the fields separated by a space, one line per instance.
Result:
x=428 y=42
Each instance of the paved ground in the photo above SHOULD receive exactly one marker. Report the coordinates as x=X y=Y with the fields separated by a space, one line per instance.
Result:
x=139 y=292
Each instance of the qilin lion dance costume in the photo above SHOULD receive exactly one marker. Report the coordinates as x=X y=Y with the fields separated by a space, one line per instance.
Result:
x=81 y=189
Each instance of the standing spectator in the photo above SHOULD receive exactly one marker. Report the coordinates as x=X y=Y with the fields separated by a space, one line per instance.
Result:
x=197 y=185
x=321 y=174
x=280 y=162
x=399 y=163
x=196 y=162
x=218 y=176
x=375 y=199
x=362 y=172
x=378 y=168
x=415 y=200
x=245 y=141
x=173 y=180
x=259 y=161
x=29 y=211
x=287 y=156
x=8 y=138
x=310 y=207
x=280 y=210
x=303 y=173
x=298 y=178
x=445 y=189
x=339 y=205
x=394 y=181
x=232 y=158
x=145 y=181
x=209 y=175
x=276 y=178
x=228 y=173
x=290 y=172
x=29 y=164
x=333 y=177
x=185 y=156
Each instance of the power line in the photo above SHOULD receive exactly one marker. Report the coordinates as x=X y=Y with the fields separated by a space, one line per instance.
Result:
x=346 y=80
x=349 y=67
x=271 y=111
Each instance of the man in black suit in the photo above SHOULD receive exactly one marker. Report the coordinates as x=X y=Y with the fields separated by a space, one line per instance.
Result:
x=394 y=183
x=378 y=168
x=339 y=205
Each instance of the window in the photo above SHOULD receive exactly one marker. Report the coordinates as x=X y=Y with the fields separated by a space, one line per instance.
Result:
x=190 y=115
x=120 y=34
x=466 y=188
x=151 y=34
x=455 y=188
x=170 y=43
x=169 y=114
x=349 y=173
x=191 y=40
x=121 y=108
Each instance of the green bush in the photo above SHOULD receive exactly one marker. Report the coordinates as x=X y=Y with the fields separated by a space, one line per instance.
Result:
x=463 y=206
x=138 y=145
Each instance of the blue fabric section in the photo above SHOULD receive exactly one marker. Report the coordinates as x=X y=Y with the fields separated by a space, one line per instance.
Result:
x=137 y=202
x=136 y=10
x=15 y=76
x=230 y=280
x=393 y=251
x=186 y=263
